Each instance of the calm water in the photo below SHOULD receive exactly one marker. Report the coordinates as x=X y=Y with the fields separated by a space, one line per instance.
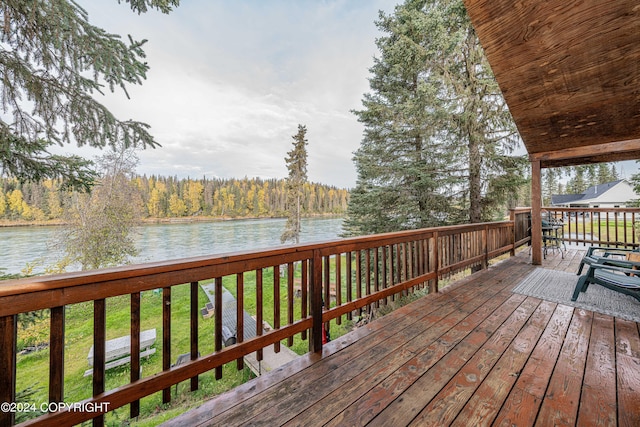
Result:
x=22 y=245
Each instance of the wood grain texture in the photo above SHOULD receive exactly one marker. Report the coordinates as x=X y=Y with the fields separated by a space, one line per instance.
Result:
x=568 y=71
x=472 y=354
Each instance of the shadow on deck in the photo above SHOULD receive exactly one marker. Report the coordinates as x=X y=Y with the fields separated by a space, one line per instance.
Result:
x=474 y=354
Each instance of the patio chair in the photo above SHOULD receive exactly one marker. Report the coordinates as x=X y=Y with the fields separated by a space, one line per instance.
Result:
x=609 y=254
x=619 y=279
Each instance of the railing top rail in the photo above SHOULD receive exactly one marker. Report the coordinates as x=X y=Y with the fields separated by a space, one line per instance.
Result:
x=520 y=210
x=559 y=209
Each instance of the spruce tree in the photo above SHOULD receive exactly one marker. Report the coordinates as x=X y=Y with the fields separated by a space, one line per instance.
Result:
x=297 y=166
x=52 y=64
x=438 y=136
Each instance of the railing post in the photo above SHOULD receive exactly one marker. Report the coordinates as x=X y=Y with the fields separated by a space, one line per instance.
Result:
x=8 y=349
x=512 y=218
x=485 y=247
x=316 y=302
x=536 y=220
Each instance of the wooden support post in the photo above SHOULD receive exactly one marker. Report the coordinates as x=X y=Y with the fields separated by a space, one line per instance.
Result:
x=536 y=211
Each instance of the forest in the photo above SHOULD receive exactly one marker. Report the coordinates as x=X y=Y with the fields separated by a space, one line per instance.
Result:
x=160 y=197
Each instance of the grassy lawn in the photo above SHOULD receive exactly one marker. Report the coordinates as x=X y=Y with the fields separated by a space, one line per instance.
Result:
x=602 y=228
x=33 y=368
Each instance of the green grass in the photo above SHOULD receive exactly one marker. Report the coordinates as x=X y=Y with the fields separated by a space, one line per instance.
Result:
x=602 y=228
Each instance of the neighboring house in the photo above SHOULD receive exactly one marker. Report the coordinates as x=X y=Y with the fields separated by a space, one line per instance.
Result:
x=616 y=194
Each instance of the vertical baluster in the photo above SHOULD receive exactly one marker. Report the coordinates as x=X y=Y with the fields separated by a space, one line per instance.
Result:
x=326 y=280
x=194 y=316
x=290 y=274
x=348 y=266
x=134 y=375
x=304 y=295
x=633 y=229
x=624 y=229
x=276 y=304
x=403 y=265
x=316 y=302
x=217 y=314
x=420 y=259
x=584 y=227
x=407 y=260
x=392 y=269
x=615 y=225
x=385 y=282
x=240 y=315
x=8 y=350
x=606 y=225
x=338 y=285
x=259 y=303
x=436 y=261
x=166 y=338
x=376 y=273
x=99 y=339
x=412 y=261
x=56 y=355
x=368 y=278
x=359 y=278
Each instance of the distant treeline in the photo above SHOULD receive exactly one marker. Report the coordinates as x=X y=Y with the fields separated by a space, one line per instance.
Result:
x=170 y=197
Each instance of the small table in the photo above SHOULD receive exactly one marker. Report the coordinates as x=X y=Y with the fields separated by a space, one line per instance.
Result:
x=552 y=239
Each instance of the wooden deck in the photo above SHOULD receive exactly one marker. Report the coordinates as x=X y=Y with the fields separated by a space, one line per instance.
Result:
x=474 y=354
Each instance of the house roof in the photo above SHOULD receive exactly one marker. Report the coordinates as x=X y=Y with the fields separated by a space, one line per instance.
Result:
x=569 y=71
x=588 y=194
x=563 y=199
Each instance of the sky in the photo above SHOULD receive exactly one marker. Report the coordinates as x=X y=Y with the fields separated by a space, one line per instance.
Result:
x=230 y=80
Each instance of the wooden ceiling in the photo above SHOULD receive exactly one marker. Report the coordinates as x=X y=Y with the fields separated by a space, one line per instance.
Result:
x=570 y=73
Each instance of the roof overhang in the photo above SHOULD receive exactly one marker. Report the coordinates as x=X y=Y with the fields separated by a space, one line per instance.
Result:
x=570 y=73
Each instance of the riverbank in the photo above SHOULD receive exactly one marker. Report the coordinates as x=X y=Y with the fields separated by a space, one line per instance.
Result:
x=145 y=221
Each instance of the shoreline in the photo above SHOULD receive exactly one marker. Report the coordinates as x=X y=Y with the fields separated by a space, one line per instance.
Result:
x=181 y=220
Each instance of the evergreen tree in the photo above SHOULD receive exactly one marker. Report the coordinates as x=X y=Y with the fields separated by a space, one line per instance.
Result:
x=437 y=133
x=297 y=166
x=52 y=63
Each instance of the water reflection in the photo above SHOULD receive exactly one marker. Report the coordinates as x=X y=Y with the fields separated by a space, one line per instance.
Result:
x=22 y=245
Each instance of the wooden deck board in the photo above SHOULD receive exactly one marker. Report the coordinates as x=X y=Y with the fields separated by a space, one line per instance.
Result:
x=473 y=354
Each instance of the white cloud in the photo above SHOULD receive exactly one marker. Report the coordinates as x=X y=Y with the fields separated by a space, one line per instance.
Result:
x=231 y=80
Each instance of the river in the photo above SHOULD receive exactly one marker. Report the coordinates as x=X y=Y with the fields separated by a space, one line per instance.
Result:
x=20 y=246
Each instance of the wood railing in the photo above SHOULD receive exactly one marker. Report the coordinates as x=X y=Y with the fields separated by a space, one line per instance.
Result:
x=349 y=275
x=613 y=227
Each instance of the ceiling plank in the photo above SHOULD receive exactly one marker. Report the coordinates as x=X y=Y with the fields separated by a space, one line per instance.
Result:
x=569 y=71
